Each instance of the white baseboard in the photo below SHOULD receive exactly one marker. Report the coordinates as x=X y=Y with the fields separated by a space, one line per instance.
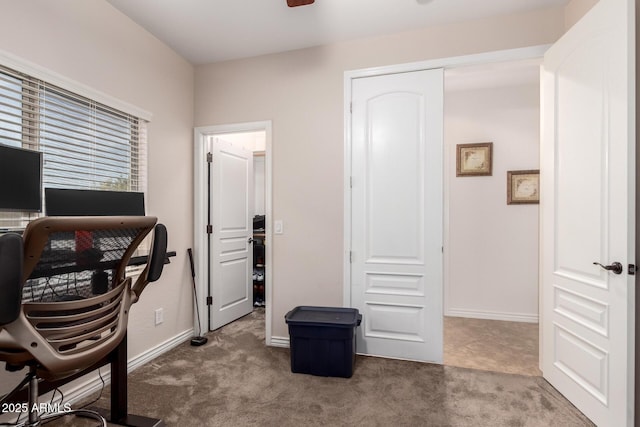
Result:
x=93 y=383
x=280 y=342
x=492 y=315
x=156 y=351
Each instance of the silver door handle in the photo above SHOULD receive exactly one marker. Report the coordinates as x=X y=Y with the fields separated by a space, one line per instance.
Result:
x=616 y=267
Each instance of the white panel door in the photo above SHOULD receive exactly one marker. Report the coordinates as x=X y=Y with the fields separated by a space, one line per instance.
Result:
x=396 y=223
x=588 y=213
x=232 y=220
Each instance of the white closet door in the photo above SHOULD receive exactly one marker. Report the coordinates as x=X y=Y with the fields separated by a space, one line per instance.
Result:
x=396 y=223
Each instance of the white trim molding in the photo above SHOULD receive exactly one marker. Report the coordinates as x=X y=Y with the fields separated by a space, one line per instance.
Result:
x=283 y=342
x=492 y=315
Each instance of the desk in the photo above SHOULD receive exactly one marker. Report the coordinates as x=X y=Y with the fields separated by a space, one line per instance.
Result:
x=77 y=263
x=66 y=273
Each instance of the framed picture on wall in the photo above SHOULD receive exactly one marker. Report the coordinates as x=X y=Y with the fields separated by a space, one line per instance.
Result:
x=474 y=159
x=523 y=187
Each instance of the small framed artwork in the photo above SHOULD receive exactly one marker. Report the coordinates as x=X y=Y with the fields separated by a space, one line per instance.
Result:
x=523 y=187
x=474 y=159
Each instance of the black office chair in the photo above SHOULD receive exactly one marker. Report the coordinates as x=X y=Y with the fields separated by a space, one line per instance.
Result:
x=65 y=295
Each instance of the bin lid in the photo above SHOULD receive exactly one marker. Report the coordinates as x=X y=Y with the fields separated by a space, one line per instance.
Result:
x=334 y=316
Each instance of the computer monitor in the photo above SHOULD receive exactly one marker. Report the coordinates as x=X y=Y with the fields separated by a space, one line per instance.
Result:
x=20 y=179
x=70 y=202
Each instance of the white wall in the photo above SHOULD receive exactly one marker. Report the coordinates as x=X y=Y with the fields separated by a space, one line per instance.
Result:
x=492 y=252
x=302 y=93
x=93 y=44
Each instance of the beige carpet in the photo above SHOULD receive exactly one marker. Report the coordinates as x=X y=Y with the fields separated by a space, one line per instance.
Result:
x=491 y=345
x=235 y=380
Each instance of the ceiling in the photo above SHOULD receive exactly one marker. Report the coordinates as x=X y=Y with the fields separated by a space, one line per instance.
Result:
x=207 y=31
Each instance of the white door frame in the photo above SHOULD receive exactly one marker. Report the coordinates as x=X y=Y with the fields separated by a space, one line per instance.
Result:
x=446 y=63
x=200 y=135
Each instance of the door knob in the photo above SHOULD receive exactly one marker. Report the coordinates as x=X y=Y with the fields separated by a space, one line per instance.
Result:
x=250 y=239
x=616 y=267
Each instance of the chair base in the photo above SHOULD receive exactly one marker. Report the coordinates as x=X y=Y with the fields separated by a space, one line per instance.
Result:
x=34 y=418
x=130 y=420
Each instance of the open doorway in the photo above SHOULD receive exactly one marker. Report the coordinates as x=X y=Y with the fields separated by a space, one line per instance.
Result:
x=491 y=248
x=254 y=141
x=491 y=265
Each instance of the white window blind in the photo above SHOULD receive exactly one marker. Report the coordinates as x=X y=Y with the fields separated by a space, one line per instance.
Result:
x=85 y=144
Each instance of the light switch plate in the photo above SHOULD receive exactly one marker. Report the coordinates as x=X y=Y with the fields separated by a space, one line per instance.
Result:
x=278 y=227
x=159 y=316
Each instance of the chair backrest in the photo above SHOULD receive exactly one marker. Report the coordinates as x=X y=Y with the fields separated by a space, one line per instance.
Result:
x=76 y=298
x=11 y=262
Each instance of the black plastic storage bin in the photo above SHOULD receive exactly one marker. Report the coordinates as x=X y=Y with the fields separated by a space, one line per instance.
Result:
x=322 y=340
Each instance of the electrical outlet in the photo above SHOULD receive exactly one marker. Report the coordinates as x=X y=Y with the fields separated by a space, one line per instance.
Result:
x=159 y=316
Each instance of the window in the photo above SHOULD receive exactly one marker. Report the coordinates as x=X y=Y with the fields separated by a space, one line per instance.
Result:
x=85 y=144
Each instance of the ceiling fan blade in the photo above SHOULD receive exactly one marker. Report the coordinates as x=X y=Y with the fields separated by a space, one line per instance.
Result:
x=294 y=3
